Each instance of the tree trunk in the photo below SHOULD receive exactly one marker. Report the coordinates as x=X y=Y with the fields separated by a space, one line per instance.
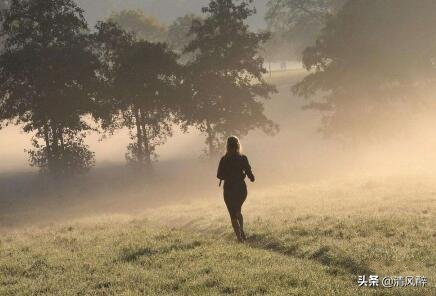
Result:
x=147 y=150
x=48 y=147
x=62 y=146
x=55 y=149
x=62 y=142
x=139 y=137
x=210 y=138
x=146 y=142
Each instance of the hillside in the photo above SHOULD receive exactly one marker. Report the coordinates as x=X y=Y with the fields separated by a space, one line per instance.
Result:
x=304 y=239
x=318 y=216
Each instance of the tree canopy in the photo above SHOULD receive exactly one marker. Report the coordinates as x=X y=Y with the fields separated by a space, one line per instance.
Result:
x=143 y=26
x=47 y=80
x=59 y=81
x=371 y=58
x=227 y=75
x=179 y=34
x=299 y=21
x=143 y=81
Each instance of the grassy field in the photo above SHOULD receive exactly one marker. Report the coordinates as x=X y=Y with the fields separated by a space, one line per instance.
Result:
x=111 y=236
x=304 y=239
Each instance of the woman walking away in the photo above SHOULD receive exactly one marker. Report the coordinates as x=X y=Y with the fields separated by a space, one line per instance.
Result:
x=233 y=169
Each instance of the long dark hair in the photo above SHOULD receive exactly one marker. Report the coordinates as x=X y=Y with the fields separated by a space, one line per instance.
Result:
x=233 y=146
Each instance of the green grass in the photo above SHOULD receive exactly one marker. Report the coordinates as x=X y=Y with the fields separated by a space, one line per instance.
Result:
x=303 y=240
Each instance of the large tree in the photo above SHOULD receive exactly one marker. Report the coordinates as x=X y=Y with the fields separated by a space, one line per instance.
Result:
x=142 y=83
x=298 y=22
x=144 y=27
x=226 y=75
x=179 y=35
x=371 y=64
x=47 y=80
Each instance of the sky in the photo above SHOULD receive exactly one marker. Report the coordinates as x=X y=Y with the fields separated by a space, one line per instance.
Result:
x=164 y=10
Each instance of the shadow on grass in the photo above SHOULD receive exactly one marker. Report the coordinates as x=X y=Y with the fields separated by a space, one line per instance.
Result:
x=324 y=255
x=133 y=254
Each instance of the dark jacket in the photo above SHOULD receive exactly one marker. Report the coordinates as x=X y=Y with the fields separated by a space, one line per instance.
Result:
x=234 y=168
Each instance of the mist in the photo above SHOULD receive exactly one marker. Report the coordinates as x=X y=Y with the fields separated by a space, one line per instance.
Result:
x=216 y=147
x=298 y=153
x=164 y=10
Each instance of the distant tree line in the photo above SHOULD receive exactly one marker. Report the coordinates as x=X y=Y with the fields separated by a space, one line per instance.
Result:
x=371 y=63
x=295 y=25
x=372 y=68
x=60 y=80
x=177 y=35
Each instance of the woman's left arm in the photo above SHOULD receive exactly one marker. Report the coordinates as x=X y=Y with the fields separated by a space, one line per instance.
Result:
x=220 y=173
x=247 y=169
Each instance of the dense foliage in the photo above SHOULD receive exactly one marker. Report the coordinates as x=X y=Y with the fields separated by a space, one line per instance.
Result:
x=59 y=81
x=227 y=75
x=48 y=81
x=297 y=23
x=371 y=59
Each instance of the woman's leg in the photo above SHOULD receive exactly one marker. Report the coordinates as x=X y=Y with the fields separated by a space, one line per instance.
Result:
x=241 y=225
x=237 y=228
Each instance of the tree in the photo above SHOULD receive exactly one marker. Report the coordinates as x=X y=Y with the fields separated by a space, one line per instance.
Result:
x=300 y=21
x=4 y=4
x=276 y=49
x=227 y=75
x=179 y=35
x=47 y=80
x=144 y=27
x=142 y=82
x=371 y=61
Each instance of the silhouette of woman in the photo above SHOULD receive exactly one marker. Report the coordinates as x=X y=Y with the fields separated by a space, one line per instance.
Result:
x=232 y=169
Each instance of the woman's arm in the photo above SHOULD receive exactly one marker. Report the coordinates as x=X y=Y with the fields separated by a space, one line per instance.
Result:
x=247 y=170
x=220 y=173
